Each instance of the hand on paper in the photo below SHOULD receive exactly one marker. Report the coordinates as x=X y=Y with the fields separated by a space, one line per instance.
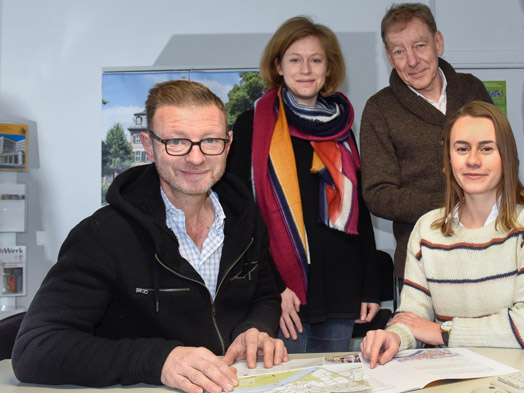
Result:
x=195 y=370
x=426 y=331
x=290 y=321
x=379 y=346
x=252 y=343
x=367 y=312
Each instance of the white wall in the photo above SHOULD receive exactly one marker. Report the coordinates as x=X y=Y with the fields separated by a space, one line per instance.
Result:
x=52 y=54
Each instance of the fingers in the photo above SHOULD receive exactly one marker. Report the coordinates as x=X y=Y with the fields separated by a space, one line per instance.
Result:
x=290 y=327
x=297 y=322
x=379 y=346
x=194 y=370
x=296 y=302
x=252 y=346
x=290 y=307
x=387 y=355
x=274 y=351
x=232 y=354
x=367 y=312
x=283 y=328
x=251 y=343
x=363 y=311
x=373 y=310
x=280 y=354
x=374 y=350
x=403 y=317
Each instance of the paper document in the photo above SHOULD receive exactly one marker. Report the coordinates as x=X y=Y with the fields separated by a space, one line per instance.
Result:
x=414 y=369
x=409 y=370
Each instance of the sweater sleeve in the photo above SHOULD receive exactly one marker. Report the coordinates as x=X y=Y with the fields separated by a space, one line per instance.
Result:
x=383 y=190
x=57 y=341
x=415 y=296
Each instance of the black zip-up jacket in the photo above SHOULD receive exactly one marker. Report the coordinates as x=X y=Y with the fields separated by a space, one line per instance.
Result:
x=121 y=297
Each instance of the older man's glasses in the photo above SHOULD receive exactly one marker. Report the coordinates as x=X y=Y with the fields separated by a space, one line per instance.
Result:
x=183 y=146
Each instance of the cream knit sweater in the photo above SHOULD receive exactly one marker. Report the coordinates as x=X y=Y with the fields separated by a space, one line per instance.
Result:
x=474 y=277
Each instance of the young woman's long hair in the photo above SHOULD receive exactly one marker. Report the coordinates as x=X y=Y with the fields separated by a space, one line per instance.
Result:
x=511 y=191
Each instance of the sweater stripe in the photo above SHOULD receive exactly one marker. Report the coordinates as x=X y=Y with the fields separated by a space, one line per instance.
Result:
x=474 y=280
x=468 y=246
x=515 y=331
x=417 y=287
x=442 y=318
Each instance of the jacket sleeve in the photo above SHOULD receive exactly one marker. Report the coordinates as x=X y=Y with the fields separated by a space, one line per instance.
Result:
x=381 y=177
x=57 y=342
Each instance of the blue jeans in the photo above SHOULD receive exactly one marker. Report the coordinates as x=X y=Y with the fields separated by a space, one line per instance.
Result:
x=334 y=335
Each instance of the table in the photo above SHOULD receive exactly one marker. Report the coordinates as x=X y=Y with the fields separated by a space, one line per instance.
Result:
x=510 y=357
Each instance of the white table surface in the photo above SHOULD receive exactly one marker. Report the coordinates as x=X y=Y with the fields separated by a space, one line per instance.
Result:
x=510 y=357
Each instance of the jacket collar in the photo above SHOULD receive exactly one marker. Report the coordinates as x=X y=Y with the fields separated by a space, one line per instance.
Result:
x=420 y=107
x=135 y=193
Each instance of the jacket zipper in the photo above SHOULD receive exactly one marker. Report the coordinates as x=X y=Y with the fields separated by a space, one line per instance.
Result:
x=213 y=308
x=146 y=291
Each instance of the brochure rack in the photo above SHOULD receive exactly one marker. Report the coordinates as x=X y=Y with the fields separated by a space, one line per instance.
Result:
x=13 y=158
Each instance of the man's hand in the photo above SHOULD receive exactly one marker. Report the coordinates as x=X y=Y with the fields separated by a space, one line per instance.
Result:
x=252 y=343
x=379 y=345
x=426 y=331
x=195 y=370
x=290 y=319
x=367 y=312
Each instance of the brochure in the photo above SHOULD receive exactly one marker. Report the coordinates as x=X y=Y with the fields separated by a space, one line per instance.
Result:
x=12 y=270
x=13 y=146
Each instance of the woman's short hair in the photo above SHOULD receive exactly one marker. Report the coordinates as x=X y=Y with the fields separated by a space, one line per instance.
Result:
x=288 y=33
x=399 y=15
x=180 y=93
x=511 y=191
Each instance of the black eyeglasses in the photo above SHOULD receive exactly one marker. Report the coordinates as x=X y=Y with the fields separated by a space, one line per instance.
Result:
x=183 y=146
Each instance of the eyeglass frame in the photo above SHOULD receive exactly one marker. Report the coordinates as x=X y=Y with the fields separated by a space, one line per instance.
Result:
x=165 y=141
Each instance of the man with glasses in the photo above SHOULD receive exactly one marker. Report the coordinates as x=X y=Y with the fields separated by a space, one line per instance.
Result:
x=175 y=271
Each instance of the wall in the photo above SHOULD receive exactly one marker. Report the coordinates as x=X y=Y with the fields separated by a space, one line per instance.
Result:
x=52 y=54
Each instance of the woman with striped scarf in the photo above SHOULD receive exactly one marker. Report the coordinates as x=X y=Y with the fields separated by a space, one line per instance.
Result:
x=464 y=279
x=297 y=152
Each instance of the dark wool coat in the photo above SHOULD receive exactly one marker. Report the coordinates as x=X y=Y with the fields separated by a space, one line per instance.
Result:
x=401 y=151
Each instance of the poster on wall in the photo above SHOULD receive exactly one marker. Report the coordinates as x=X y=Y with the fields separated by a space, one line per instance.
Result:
x=13 y=147
x=497 y=92
x=124 y=117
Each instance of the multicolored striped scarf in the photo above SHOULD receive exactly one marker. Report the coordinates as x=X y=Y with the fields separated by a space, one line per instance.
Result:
x=328 y=127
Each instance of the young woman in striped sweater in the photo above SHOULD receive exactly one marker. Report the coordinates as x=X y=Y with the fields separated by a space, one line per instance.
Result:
x=464 y=277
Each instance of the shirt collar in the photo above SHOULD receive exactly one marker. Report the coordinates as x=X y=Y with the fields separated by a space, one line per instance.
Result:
x=491 y=217
x=220 y=216
x=441 y=104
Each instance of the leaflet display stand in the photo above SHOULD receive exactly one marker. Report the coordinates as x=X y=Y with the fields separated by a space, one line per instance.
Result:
x=13 y=158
